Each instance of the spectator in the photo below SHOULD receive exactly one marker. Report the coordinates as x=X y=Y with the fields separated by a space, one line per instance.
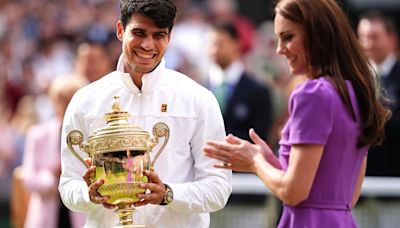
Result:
x=92 y=61
x=42 y=164
x=245 y=103
x=378 y=36
x=226 y=11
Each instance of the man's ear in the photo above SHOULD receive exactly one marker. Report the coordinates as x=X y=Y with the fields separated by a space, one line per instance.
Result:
x=120 y=30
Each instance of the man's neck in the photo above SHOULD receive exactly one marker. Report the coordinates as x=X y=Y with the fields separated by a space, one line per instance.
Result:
x=136 y=77
x=137 y=80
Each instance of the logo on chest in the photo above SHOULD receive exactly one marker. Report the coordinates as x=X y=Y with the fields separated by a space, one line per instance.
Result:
x=164 y=107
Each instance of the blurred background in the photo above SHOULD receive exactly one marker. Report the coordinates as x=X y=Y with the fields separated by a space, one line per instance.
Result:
x=43 y=40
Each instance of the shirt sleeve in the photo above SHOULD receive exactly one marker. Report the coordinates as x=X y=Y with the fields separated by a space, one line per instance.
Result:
x=211 y=187
x=311 y=113
x=73 y=189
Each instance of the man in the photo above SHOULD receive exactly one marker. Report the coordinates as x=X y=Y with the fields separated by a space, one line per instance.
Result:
x=378 y=37
x=92 y=61
x=150 y=93
x=244 y=102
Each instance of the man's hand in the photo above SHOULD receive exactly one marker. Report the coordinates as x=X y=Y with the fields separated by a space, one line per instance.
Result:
x=94 y=195
x=156 y=187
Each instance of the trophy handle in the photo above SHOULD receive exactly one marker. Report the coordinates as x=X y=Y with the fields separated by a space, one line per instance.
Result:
x=75 y=137
x=159 y=130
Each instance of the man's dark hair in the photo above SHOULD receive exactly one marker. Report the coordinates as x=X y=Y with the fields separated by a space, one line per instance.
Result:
x=162 y=12
x=387 y=21
x=228 y=28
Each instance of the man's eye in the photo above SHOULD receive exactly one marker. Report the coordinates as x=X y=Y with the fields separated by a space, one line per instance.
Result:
x=138 y=33
x=159 y=35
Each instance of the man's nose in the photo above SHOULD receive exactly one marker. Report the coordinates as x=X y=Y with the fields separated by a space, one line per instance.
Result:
x=148 y=43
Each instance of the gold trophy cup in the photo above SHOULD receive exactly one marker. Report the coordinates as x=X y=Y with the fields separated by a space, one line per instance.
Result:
x=120 y=153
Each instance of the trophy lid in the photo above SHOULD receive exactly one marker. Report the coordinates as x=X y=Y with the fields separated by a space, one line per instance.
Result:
x=118 y=134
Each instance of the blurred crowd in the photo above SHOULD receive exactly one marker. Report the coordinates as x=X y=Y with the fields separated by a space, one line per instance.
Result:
x=43 y=40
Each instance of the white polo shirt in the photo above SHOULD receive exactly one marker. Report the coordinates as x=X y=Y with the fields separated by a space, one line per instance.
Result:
x=193 y=116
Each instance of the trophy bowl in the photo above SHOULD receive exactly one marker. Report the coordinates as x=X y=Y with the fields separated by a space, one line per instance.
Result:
x=120 y=152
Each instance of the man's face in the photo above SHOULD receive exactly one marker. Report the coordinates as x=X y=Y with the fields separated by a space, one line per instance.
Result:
x=93 y=61
x=376 y=41
x=143 y=44
x=222 y=49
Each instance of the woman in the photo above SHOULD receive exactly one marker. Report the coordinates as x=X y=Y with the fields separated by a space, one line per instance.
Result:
x=42 y=166
x=334 y=117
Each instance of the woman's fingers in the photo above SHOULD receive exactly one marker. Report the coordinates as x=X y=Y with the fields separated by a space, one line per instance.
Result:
x=221 y=146
x=256 y=139
x=215 y=152
x=233 y=139
x=223 y=165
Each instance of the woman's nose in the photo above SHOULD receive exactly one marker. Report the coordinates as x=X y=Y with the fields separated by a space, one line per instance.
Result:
x=280 y=49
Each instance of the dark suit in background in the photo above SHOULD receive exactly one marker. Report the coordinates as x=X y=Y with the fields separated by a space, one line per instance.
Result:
x=384 y=160
x=245 y=103
x=249 y=106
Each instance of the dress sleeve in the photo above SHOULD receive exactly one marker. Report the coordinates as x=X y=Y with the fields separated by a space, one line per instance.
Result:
x=311 y=113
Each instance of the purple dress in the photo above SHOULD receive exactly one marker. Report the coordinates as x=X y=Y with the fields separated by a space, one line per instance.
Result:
x=317 y=115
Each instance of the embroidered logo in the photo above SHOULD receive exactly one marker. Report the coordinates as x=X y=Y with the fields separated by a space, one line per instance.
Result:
x=164 y=107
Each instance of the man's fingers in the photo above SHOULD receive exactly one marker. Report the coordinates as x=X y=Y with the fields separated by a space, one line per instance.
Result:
x=98 y=199
x=109 y=206
x=95 y=185
x=153 y=187
x=88 y=161
x=153 y=177
x=89 y=174
x=95 y=196
x=148 y=197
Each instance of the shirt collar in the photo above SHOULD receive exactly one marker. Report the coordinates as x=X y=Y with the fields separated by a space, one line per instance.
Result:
x=233 y=73
x=386 y=66
x=149 y=80
x=229 y=76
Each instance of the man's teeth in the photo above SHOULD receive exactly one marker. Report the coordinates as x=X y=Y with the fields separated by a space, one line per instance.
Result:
x=146 y=56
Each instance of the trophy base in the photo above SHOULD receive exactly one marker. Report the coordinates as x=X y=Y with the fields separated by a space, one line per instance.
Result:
x=125 y=214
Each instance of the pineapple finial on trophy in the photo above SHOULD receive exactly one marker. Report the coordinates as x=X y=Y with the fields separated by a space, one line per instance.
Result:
x=116 y=106
x=116 y=116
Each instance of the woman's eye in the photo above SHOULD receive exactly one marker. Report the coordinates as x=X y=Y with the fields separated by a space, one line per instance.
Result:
x=287 y=37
